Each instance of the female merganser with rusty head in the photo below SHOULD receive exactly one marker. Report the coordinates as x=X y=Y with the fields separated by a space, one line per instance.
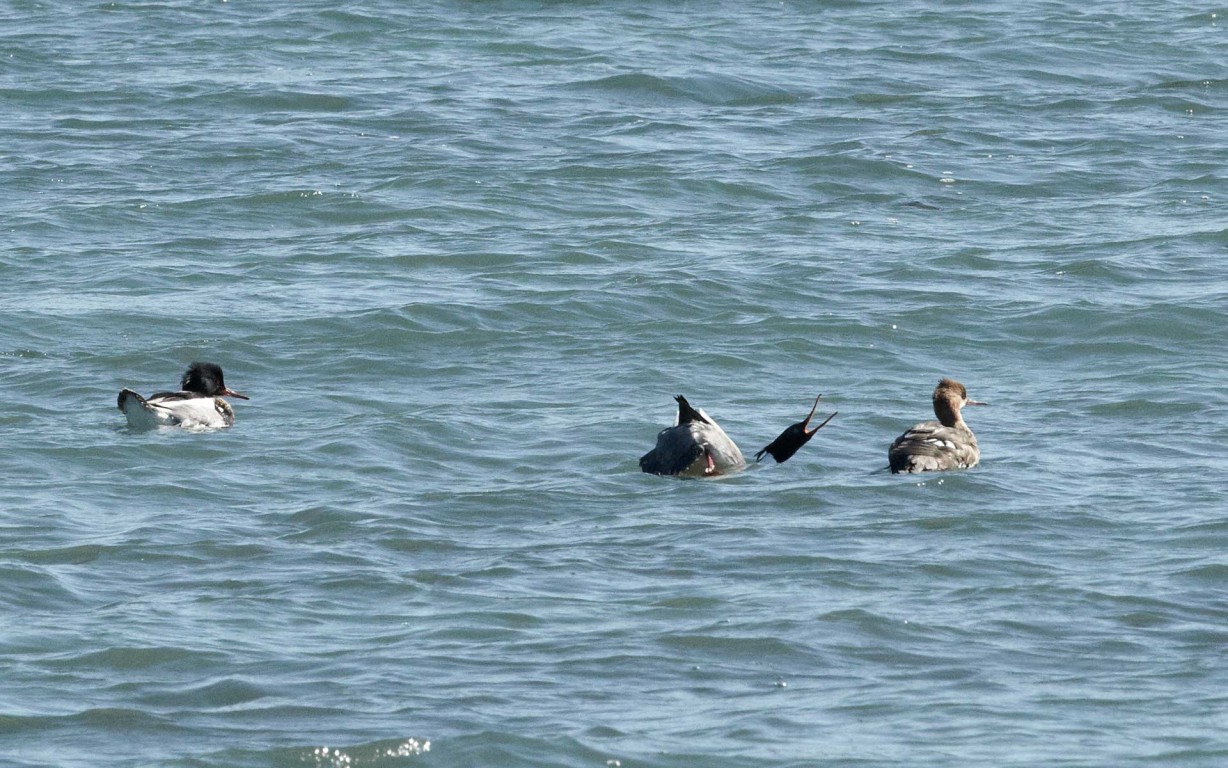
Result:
x=696 y=446
x=199 y=404
x=933 y=446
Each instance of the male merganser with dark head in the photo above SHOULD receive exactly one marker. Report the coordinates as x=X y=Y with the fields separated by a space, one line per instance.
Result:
x=933 y=446
x=696 y=446
x=199 y=404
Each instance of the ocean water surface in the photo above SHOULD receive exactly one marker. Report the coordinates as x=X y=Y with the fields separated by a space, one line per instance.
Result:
x=461 y=256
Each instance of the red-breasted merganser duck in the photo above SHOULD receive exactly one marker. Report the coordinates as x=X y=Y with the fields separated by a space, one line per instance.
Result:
x=933 y=446
x=696 y=446
x=199 y=404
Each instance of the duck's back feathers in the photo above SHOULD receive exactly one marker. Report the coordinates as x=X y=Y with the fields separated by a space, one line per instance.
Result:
x=695 y=446
x=677 y=449
x=932 y=447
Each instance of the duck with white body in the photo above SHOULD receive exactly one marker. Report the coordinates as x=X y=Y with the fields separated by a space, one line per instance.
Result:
x=198 y=404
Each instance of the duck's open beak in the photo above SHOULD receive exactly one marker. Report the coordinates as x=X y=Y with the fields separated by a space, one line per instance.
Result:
x=806 y=421
x=809 y=416
x=833 y=415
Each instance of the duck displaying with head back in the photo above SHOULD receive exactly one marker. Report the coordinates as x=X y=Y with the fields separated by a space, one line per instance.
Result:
x=934 y=446
x=696 y=446
x=198 y=404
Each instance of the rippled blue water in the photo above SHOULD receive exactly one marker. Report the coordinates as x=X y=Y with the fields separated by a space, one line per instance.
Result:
x=461 y=256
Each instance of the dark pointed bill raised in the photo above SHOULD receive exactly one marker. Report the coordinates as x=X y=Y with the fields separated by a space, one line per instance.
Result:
x=794 y=437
